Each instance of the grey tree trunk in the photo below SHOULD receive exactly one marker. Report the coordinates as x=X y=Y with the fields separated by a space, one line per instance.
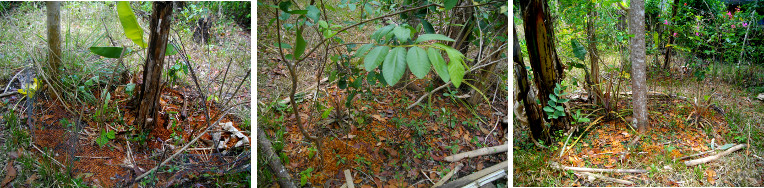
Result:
x=54 y=35
x=152 y=70
x=594 y=80
x=638 y=68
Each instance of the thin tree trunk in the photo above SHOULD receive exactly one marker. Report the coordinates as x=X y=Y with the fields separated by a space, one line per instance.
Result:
x=667 y=58
x=152 y=70
x=54 y=36
x=594 y=77
x=638 y=68
x=531 y=108
x=539 y=37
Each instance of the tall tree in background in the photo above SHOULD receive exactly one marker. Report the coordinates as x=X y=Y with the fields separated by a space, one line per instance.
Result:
x=54 y=35
x=152 y=70
x=594 y=77
x=638 y=68
x=667 y=59
x=539 y=37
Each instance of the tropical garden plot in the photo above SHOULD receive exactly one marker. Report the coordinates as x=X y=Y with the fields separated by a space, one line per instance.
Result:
x=673 y=100
x=97 y=99
x=382 y=94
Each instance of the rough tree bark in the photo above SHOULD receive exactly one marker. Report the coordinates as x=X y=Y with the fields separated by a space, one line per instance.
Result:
x=594 y=76
x=531 y=108
x=54 y=35
x=667 y=58
x=539 y=37
x=638 y=68
x=152 y=70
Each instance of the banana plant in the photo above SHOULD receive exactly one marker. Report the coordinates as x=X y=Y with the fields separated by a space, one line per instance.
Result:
x=133 y=31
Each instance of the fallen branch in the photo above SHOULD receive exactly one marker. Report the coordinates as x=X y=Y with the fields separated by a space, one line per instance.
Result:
x=478 y=152
x=626 y=182
x=8 y=94
x=448 y=176
x=714 y=157
x=273 y=160
x=583 y=169
x=349 y=179
x=694 y=155
x=494 y=172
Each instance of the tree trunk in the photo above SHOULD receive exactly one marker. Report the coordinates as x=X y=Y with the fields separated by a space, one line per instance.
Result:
x=667 y=59
x=594 y=77
x=54 y=36
x=638 y=68
x=152 y=70
x=535 y=122
x=539 y=37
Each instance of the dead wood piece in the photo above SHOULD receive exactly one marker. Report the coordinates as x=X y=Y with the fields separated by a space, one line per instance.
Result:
x=503 y=166
x=287 y=100
x=448 y=176
x=349 y=178
x=8 y=94
x=614 y=180
x=583 y=169
x=714 y=157
x=274 y=161
x=478 y=152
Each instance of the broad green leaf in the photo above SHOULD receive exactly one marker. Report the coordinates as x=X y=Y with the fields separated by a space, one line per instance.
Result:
x=456 y=70
x=428 y=37
x=578 y=49
x=418 y=62
x=449 y=4
x=559 y=113
x=127 y=18
x=548 y=109
x=438 y=63
x=375 y=57
x=170 y=50
x=551 y=103
x=559 y=108
x=564 y=100
x=323 y=24
x=381 y=32
x=427 y=26
x=394 y=65
x=362 y=50
x=299 y=45
x=110 y=135
x=553 y=98
x=371 y=78
x=403 y=34
x=284 y=5
x=109 y=52
x=313 y=13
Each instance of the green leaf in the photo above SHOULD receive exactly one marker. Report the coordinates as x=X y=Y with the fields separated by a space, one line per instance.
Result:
x=323 y=24
x=284 y=45
x=726 y=146
x=578 y=49
x=563 y=100
x=394 y=65
x=127 y=18
x=559 y=113
x=554 y=98
x=449 y=4
x=548 y=109
x=402 y=34
x=371 y=78
x=551 y=103
x=375 y=57
x=109 y=52
x=111 y=135
x=456 y=70
x=362 y=50
x=326 y=112
x=559 y=108
x=418 y=62
x=584 y=120
x=284 y=6
x=438 y=63
x=170 y=50
x=428 y=37
x=299 y=45
x=381 y=32
x=427 y=26
x=313 y=13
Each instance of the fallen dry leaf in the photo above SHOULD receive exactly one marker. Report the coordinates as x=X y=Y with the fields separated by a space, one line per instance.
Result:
x=378 y=118
x=710 y=176
x=10 y=173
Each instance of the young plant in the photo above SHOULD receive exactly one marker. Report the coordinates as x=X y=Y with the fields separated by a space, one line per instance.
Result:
x=105 y=137
x=554 y=108
x=305 y=175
